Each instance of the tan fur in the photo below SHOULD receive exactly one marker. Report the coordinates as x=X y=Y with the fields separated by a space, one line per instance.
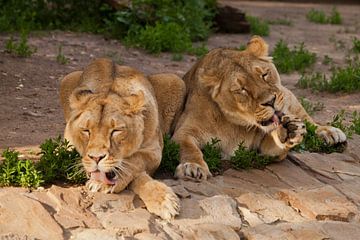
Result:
x=114 y=121
x=232 y=95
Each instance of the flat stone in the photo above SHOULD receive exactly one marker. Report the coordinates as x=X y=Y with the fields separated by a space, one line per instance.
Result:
x=127 y=223
x=350 y=189
x=107 y=203
x=210 y=232
x=69 y=206
x=251 y=219
x=324 y=203
x=205 y=188
x=12 y=236
x=214 y=214
x=293 y=175
x=151 y=236
x=288 y=231
x=268 y=209
x=352 y=148
x=103 y=234
x=23 y=216
x=342 y=230
x=333 y=166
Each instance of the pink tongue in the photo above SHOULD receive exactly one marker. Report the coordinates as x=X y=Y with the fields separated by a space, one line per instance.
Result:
x=101 y=177
x=275 y=118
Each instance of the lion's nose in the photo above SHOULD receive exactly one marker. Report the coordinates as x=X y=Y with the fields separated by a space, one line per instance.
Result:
x=97 y=158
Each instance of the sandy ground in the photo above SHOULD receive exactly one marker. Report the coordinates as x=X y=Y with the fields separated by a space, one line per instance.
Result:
x=30 y=110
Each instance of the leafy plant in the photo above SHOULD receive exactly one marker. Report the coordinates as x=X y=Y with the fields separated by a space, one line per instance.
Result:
x=244 y=158
x=21 y=48
x=170 y=155
x=15 y=172
x=310 y=107
x=338 y=122
x=199 y=51
x=212 y=155
x=287 y=60
x=60 y=58
x=177 y=57
x=242 y=47
x=313 y=143
x=355 y=122
x=60 y=162
x=319 y=16
x=356 y=45
x=258 y=26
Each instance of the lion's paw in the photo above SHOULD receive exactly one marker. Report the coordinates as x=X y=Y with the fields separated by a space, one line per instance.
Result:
x=97 y=186
x=331 y=135
x=162 y=201
x=192 y=171
x=294 y=130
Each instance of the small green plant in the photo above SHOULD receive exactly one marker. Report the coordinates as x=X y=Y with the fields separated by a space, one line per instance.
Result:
x=296 y=59
x=170 y=155
x=15 y=172
x=60 y=58
x=258 y=26
x=199 y=51
x=212 y=155
x=335 y=17
x=345 y=79
x=355 y=122
x=327 y=60
x=319 y=16
x=21 y=48
x=244 y=158
x=161 y=37
x=60 y=162
x=177 y=57
x=242 y=47
x=313 y=143
x=281 y=21
x=310 y=107
x=356 y=45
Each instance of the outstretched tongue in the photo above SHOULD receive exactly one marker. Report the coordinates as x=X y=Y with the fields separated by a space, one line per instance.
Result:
x=101 y=177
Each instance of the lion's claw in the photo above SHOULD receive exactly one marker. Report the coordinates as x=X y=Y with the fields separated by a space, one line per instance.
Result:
x=192 y=171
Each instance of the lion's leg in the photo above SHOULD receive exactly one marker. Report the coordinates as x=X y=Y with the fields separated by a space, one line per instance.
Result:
x=158 y=198
x=330 y=134
x=192 y=165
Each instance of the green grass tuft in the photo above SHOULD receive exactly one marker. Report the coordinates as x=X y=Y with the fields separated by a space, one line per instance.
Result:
x=258 y=26
x=356 y=45
x=244 y=158
x=319 y=16
x=311 y=107
x=287 y=60
x=60 y=58
x=313 y=143
x=20 y=48
x=170 y=155
x=280 y=21
x=212 y=155
x=327 y=60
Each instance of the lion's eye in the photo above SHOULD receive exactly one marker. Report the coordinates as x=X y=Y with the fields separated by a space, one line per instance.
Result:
x=265 y=75
x=86 y=132
x=117 y=132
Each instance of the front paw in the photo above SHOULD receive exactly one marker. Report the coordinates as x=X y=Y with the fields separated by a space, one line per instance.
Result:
x=331 y=135
x=192 y=171
x=292 y=131
x=161 y=200
x=98 y=186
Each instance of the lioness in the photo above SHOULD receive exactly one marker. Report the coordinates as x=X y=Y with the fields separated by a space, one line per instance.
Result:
x=236 y=96
x=113 y=120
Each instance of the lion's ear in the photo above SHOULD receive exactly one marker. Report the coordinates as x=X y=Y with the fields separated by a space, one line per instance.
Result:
x=258 y=47
x=79 y=97
x=134 y=103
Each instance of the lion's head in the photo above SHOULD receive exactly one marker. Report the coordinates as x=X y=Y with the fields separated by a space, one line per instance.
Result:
x=106 y=127
x=244 y=84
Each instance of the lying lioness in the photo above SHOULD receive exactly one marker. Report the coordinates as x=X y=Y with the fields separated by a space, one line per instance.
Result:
x=236 y=96
x=113 y=120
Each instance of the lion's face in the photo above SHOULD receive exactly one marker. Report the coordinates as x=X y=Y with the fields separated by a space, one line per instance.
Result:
x=106 y=129
x=246 y=86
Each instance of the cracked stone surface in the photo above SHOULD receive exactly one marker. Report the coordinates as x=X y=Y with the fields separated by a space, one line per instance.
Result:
x=307 y=196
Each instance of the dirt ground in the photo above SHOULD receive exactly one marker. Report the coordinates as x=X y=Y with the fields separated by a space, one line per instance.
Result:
x=30 y=111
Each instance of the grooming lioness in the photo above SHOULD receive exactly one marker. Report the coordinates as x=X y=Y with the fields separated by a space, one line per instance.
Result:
x=113 y=120
x=236 y=96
